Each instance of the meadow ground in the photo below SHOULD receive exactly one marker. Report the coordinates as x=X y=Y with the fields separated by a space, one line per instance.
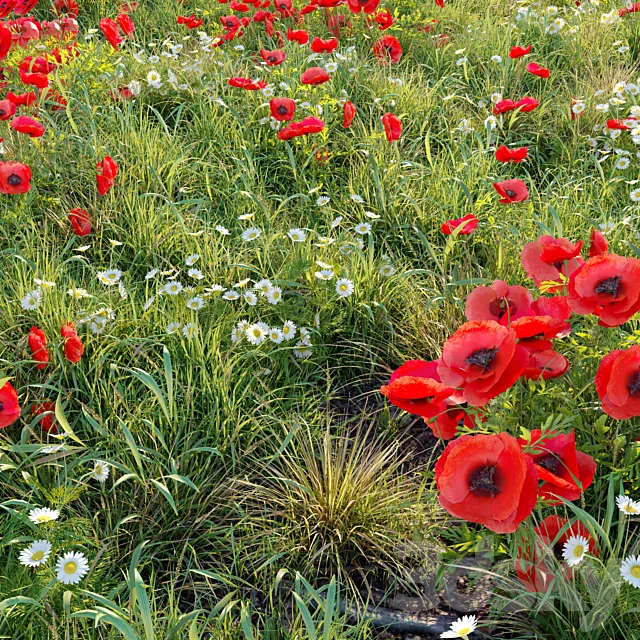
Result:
x=218 y=449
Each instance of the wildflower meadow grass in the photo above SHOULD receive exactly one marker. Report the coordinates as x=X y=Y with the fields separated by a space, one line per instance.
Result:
x=319 y=320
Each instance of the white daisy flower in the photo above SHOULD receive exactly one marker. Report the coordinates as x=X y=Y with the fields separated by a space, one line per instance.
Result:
x=32 y=300
x=109 y=276
x=154 y=79
x=195 y=304
x=635 y=195
x=251 y=234
x=255 y=334
x=574 y=550
x=336 y=221
x=322 y=200
x=263 y=286
x=363 y=228
x=297 y=235
x=356 y=198
x=325 y=274
x=627 y=505
x=250 y=298
x=301 y=352
x=192 y=259
x=344 y=287
x=246 y=216
x=289 y=330
x=72 y=567
x=630 y=571
x=223 y=230
x=44 y=284
x=100 y=471
x=214 y=288
x=274 y=295
x=230 y=295
x=372 y=215
x=386 y=270
x=189 y=330
x=43 y=514
x=173 y=288
x=173 y=327
x=276 y=335
x=497 y=59
x=623 y=163
x=35 y=554
x=78 y=293
x=151 y=274
x=461 y=628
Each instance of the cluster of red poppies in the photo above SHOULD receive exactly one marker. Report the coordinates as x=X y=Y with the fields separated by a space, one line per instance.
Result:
x=492 y=479
x=73 y=349
x=387 y=50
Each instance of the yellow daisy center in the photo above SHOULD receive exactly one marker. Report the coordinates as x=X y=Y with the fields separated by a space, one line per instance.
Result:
x=578 y=550
x=635 y=571
x=43 y=518
x=70 y=567
x=37 y=556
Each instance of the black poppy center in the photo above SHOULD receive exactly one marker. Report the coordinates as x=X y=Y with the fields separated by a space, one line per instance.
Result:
x=634 y=384
x=549 y=462
x=500 y=307
x=14 y=180
x=482 y=358
x=1 y=406
x=282 y=110
x=230 y=23
x=609 y=285
x=272 y=59
x=482 y=481
x=510 y=193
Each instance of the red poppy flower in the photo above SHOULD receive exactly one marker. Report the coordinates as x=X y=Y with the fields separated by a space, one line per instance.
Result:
x=607 y=286
x=488 y=480
x=7 y=109
x=392 y=127
x=548 y=259
x=482 y=358
x=499 y=302
x=387 y=50
x=302 y=128
x=502 y=106
x=315 y=75
x=282 y=109
x=80 y=222
x=623 y=11
x=111 y=32
x=273 y=58
x=618 y=383
x=15 y=177
x=537 y=70
x=329 y=3
x=6 y=40
x=230 y=23
x=349 y=113
x=9 y=407
x=536 y=332
x=511 y=191
x=107 y=170
x=38 y=345
x=191 y=22
x=126 y=24
x=545 y=364
x=535 y=564
x=599 y=245
x=247 y=84
x=504 y=154
x=299 y=36
x=557 y=307
x=416 y=388
x=70 y=7
x=6 y=7
x=22 y=100
x=73 y=347
x=617 y=124
x=284 y=7
x=565 y=472
x=368 y=6
x=527 y=104
x=467 y=225
x=40 y=80
x=384 y=19
x=27 y=125
x=518 y=52
x=445 y=425
x=310 y=8
x=24 y=6
x=318 y=45
x=37 y=65
x=47 y=411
